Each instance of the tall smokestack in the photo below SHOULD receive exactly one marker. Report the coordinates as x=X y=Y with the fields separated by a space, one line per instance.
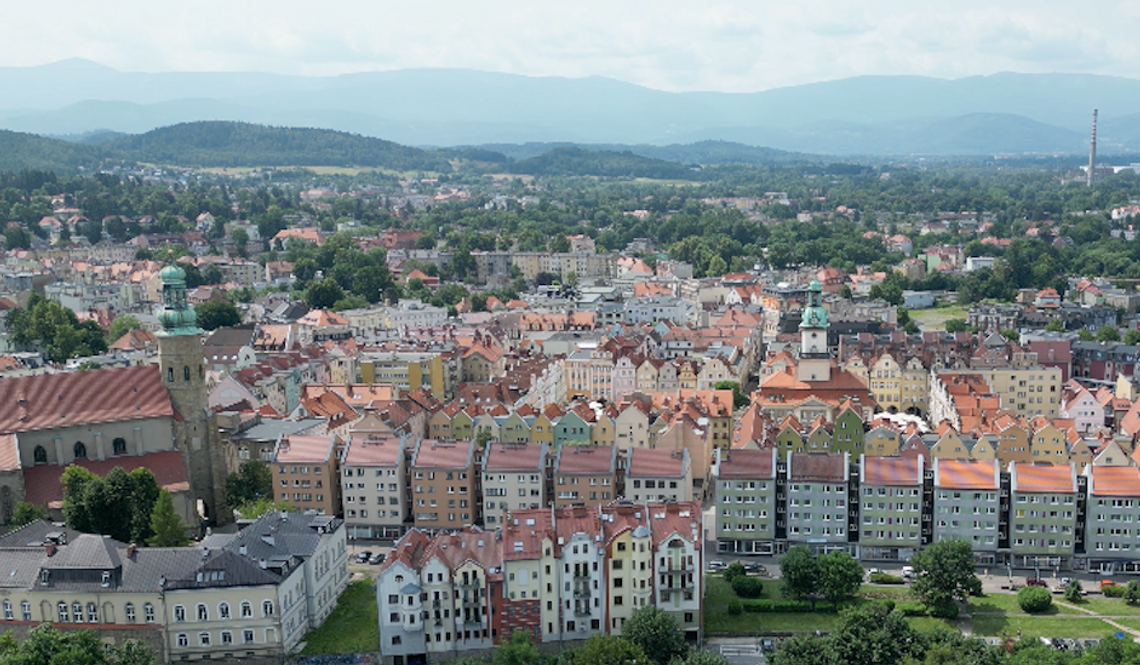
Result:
x=1092 y=153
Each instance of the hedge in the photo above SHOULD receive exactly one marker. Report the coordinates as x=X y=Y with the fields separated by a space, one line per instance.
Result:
x=1114 y=590
x=792 y=606
x=748 y=587
x=886 y=578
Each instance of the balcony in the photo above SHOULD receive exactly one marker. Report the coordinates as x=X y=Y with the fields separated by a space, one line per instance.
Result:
x=581 y=592
x=581 y=611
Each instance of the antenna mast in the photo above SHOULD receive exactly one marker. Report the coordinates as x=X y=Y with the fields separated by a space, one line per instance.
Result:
x=1092 y=153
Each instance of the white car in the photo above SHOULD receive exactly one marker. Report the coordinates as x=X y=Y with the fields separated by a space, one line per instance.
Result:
x=907 y=572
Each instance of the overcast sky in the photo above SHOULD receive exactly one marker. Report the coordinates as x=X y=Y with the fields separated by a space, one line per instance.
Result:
x=735 y=45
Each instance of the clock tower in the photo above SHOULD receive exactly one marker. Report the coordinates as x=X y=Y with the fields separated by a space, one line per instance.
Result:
x=814 y=362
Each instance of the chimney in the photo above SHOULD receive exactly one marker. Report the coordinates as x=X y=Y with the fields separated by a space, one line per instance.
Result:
x=241 y=550
x=131 y=550
x=49 y=548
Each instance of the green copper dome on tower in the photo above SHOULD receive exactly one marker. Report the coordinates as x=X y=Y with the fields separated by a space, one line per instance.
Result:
x=177 y=317
x=814 y=314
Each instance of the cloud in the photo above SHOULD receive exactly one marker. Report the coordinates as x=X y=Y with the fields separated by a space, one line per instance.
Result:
x=729 y=45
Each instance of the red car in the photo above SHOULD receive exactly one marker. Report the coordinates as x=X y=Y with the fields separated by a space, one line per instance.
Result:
x=1034 y=581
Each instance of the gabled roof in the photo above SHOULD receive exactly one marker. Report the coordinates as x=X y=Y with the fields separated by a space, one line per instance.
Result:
x=966 y=474
x=892 y=471
x=747 y=464
x=657 y=463
x=370 y=451
x=585 y=460
x=305 y=449
x=1042 y=477
x=74 y=399
x=528 y=457
x=432 y=454
x=815 y=467
x=1115 y=481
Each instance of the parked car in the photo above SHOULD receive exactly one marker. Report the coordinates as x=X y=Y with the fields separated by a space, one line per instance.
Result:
x=908 y=572
x=1104 y=583
x=767 y=645
x=364 y=556
x=1035 y=581
x=753 y=567
x=377 y=559
x=716 y=564
x=1065 y=581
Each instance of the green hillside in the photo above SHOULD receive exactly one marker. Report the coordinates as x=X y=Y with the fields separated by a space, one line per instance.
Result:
x=232 y=144
x=20 y=152
x=576 y=161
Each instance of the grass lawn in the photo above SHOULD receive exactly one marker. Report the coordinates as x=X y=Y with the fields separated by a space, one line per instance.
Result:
x=935 y=317
x=1007 y=603
x=930 y=623
x=1041 y=626
x=353 y=626
x=1134 y=624
x=1109 y=606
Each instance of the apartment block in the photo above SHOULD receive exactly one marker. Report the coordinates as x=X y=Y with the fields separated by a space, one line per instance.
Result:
x=658 y=474
x=890 y=512
x=1043 y=515
x=817 y=502
x=966 y=504
x=514 y=478
x=746 y=501
x=305 y=472
x=373 y=483
x=444 y=485
x=585 y=475
x=1112 y=528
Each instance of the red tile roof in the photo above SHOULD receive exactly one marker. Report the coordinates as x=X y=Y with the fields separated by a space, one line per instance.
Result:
x=751 y=464
x=966 y=474
x=585 y=460
x=9 y=453
x=51 y=401
x=1115 y=481
x=891 y=471
x=657 y=463
x=42 y=486
x=369 y=451
x=432 y=454
x=305 y=449
x=528 y=457
x=1043 y=478
x=818 y=467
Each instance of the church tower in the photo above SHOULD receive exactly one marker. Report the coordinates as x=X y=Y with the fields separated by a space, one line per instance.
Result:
x=814 y=362
x=183 y=370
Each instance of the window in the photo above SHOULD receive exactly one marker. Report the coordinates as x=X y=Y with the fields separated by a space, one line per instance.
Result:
x=227 y=637
x=8 y=616
x=183 y=639
x=39 y=455
x=77 y=610
x=119 y=446
x=203 y=613
x=223 y=610
x=170 y=375
x=246 y=609
x=148 y=613
x=64 y=617
x=80 y=450
x=247 y=637
x=179 y=613
x=130 y=610
x=92 y=613
x=267 y=608
x=26 y=610
x=186 y=373
x=204 y=639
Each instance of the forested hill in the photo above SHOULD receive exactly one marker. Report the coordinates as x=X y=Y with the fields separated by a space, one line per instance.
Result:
x=233 y=144
x=575 y=161
x=19 y=152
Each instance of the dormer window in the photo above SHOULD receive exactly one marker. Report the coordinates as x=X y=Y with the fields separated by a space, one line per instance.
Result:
x=106 y=578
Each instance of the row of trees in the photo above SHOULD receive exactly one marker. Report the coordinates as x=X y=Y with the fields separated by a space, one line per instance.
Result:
x=45 y=645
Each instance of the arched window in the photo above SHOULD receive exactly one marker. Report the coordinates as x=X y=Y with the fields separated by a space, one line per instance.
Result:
x=130 y=611
x=8 y=616
x=223 y=610
x=204 y=639
x=246 y=609
x=39 y=455
x=26 y=610
x=179 y=613
x=170 y=375
x=186 y=373
x=148 y=613
x=119 y=446
x=227 y=637
x=183 y=641
x=203 y=613
x=77 y=610
x=64 y=617
x=80 y=450
x=92 y=613
x=267 y=608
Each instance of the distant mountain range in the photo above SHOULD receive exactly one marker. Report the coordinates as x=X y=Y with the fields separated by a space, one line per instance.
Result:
x=869 y=115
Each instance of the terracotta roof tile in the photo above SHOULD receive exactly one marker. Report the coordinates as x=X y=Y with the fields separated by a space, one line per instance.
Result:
x=528 y=457
x=657 y=463
x=966 y=474
x=1115 y=481
x=433 y=454
x=370 y=451
x=585 y=460
x=750 y=464
x=1043 y=477
x=816 y=467
x=891 y=471
x=42 y=486
x=305 y=448
x=51 y=401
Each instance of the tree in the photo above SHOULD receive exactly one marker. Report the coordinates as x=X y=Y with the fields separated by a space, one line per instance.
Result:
x=740 y=399
x=845 y=292
x=48 y=326
x=803 y=650
x=122 y=325
x=1132 y=593
x=606 y=650
x=1108 y=334
x=520 y=650
x=1132 y=337
x=241 y=238
x=49 y=646
x=214 y=314
x=873 y=635
x=212 y=274
x=800 y=573
x=944 y=572
x=253 y=480
x=747 y=587
x=259 y=507
x=656 y=633
x=734 y=570
x=1034 y=599
x=169 y=529
x=1073 y=593
x=1010 y=334
x=840 y=576
x=1055 y=325
x=26 y=513
x=1085 y=335
x=323 y=294
x=701 y=657
x=955 y=325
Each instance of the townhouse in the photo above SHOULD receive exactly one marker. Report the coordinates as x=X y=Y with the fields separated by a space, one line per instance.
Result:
x=746 y=504
x=890 y=509
x=306 y=471
x=444 y=484
x=658 y=474
x=373 y=481
x=585 y=475
x=514 y=478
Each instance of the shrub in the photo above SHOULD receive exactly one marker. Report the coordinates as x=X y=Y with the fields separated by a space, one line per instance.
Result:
x=947 y=611
x=734 y=607
x=886 y=578
x=1114 y=590
x=748 y=587
x=759 y=606
x=889 y=604
x=1034 y=599
x=734 y=571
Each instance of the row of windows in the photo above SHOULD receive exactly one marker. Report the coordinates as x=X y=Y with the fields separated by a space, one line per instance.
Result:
x=202 y=612
x=205 y=639
x=79 y=450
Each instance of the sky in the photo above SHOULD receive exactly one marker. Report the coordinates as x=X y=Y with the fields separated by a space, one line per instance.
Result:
x=675 y=45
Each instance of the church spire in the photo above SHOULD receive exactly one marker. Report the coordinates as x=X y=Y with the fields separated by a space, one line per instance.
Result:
x=177 y=317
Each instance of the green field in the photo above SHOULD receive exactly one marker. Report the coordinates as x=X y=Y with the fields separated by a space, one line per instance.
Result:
x=933 y=319
x=1007 y=603
x=1109 y=607
x=1041 y=626
x=353 y=626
